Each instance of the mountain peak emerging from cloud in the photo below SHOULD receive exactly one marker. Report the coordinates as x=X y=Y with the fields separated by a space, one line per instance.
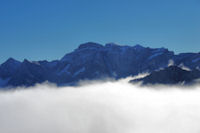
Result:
x=170 y=75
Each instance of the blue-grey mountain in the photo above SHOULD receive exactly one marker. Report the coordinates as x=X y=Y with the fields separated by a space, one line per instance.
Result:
x=169 y=76
x=93 y=61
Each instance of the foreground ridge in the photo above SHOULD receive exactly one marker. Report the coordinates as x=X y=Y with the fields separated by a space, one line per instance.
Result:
x=169 y=76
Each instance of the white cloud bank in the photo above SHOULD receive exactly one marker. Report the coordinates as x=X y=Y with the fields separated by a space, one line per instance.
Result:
x=109 y=107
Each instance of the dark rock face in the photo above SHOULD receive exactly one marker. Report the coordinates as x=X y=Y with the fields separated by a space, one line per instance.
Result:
x=8 y=68
x=93 y=61
x=170 y=75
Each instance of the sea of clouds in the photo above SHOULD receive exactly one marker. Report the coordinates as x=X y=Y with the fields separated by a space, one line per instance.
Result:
x=100 y=107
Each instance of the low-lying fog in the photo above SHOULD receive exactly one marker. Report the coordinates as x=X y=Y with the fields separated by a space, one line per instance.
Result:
x=100 y=107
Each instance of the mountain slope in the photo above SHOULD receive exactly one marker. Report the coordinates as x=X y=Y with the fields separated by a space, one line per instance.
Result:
x=170 y=75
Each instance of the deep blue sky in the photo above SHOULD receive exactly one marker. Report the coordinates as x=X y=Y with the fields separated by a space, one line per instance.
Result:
x=48 y=29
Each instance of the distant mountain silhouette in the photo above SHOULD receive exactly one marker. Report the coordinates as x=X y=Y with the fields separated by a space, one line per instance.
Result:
x=170 y=75
x=93 y=61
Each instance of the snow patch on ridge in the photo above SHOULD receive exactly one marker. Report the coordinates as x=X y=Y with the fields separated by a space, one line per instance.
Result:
x=182 y=66
x=170 y=63
x=79 y=71
x=154 y=55
x=65 y=70
x=196 y=60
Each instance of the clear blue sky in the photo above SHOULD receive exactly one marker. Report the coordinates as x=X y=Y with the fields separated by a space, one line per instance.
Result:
x=48 y=29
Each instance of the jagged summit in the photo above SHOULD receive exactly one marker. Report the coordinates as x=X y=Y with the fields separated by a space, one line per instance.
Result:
x=11 y=61
x=138 y=46
x=111 y=44
x=26 y=61
x=90 y=45
x=8 y=68
x=10 y=65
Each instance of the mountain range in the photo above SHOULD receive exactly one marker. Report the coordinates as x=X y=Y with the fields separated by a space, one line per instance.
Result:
x=94 y=61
